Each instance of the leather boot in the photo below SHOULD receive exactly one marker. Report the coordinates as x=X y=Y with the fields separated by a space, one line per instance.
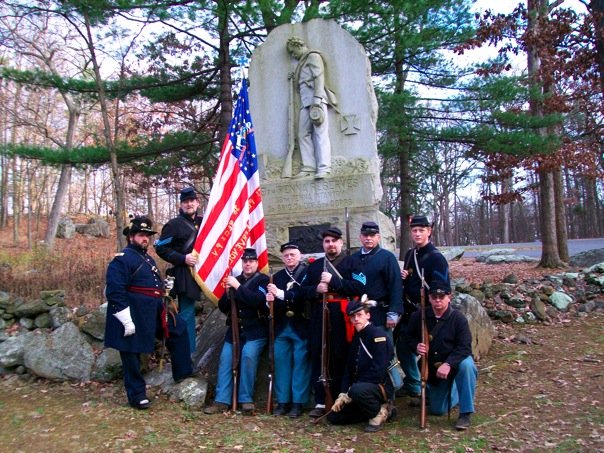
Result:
x=376 y=423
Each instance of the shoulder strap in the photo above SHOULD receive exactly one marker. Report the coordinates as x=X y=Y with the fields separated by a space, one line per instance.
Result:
x=249 y=282
x=365 y=348
x=144 y=261
x=296 y=275
x=191 y=239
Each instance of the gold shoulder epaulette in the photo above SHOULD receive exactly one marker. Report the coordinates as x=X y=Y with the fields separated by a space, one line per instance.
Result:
x=379 y=339
x=119 y=254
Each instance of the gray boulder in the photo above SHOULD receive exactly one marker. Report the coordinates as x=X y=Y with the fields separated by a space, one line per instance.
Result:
x=597 y=268
x=53 y=297
x=107 y=367
x=30 y=308
x=4 y=299
x=482 y=256
x=94 y=324
x=63 y=354
x=26 y=323
x=94 y=227
x=452 y=253
x=191 y=391
x=13 y=349
x=506 y=259
x=480 y=324
x=560 y=300
x=42 y=321
x=59 y=316
x=587 y=258
x=209 y=344
x=65 y=228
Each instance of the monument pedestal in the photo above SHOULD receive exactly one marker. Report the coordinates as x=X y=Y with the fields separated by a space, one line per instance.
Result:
x=300 y=209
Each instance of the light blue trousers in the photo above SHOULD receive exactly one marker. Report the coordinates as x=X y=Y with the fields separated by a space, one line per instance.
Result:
x=412 y=381
x=463 y=388
x=250 y=356
x=292 y=367
x=186 y=309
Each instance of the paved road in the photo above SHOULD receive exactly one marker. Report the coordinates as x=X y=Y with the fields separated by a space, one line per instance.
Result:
x=534 y=248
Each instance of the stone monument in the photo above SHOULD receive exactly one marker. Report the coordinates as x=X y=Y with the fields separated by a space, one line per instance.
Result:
x=315 y=111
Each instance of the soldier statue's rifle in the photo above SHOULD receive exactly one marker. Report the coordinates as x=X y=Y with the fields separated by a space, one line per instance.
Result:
x=236 y=346
x=424 y=359
x=286 y=172
x=170 y=309
x=271 y=351
x=324 y=377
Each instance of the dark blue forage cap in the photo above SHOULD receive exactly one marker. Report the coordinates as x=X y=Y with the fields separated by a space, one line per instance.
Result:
x=370 y=228
x=439 y=286
x=289 y=245
x=419 y=220
x=334 y=232
x=188 y=193
x=249 y=254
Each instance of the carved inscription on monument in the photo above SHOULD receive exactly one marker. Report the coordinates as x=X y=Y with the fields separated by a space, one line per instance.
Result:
x=304 y=195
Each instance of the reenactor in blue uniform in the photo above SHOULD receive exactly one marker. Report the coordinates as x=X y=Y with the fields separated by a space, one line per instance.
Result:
x=383 y=278
x=292 y=360
x=451 y=370
x=175 y=246
x=135 y=313
x=366 y=388
x=252 y=311
x=424 y=258
x=341 y=280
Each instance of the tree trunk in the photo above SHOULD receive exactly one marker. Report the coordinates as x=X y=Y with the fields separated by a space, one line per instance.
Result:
x=549 y=251
x=55 y=211
x=561 y=234
x=64 y=181
x=591 y=207
x=506 y=187
x=537 y=11
x=405 y=197
x=596 y=8
x=226 y=88
x=118 y=192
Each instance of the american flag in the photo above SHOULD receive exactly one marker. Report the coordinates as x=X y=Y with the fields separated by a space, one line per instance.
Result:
x=234 y=218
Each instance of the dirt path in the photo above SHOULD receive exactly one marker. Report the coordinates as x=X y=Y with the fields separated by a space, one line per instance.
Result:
x=540 y=389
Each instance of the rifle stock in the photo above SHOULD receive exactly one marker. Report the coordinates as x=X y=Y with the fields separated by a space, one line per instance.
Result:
x=324 y=378
x=236 y=346
x=424 y=359
x=271 y=352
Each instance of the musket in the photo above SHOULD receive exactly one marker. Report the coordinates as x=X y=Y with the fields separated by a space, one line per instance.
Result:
x=286 y=172
x=324 y=377
x=424 y=358
x=236 y=346
x=271 y=351
x=347 y=220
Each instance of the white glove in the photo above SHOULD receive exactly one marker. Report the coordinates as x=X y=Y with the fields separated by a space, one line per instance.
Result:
x=126 y=320
x=340 y=402
x=280 y=294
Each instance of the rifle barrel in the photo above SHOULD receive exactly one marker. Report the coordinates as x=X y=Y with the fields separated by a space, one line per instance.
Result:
x=424 y=359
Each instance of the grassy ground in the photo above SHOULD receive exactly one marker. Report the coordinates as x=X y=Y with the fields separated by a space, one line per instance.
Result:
x=540 y=389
